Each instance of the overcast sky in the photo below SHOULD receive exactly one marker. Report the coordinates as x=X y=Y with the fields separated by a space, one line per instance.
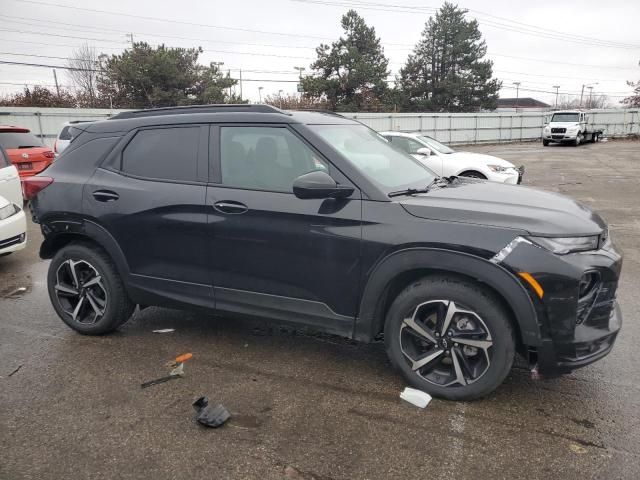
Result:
x=538 y=43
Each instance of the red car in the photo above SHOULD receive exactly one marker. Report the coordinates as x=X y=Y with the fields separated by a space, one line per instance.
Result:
x=25 y=151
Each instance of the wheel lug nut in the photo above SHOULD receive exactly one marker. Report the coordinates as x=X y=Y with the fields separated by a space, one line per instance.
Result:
x=455 y=344
x=437 y=334
x=450 y=333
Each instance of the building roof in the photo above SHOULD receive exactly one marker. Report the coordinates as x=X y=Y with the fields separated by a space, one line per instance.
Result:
x=522 y=102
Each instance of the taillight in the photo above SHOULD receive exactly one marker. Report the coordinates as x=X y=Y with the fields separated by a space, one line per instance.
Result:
x=31 y=186
x=49 y=154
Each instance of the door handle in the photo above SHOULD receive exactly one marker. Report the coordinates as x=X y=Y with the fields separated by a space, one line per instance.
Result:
x=230 y=206
x=105 y=195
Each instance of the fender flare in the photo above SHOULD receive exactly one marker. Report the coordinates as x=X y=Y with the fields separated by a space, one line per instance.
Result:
x=79 y=228
x=370 y=320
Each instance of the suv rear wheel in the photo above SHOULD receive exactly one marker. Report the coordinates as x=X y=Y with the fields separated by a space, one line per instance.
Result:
x=450 y=338
x=86 y=290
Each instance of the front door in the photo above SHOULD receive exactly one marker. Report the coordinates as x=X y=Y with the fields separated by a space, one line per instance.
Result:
x=273 y=254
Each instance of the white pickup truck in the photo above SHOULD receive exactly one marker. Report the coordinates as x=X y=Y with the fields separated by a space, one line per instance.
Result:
x=570 y=126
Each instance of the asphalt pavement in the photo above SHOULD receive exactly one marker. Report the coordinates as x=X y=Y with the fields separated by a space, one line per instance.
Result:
x=312 y=406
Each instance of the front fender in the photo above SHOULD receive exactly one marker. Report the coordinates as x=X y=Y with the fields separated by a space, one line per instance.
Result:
x=370 y=320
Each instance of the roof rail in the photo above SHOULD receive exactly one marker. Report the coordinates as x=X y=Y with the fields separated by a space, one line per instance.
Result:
x=321 y=110
x=215 y=108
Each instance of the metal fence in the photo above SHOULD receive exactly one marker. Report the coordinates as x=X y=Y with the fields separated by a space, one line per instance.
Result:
x=453 y=128
x=494 y=127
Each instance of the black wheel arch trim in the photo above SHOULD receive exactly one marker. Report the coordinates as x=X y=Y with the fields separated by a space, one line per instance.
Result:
x=370 y=320
x=54 y=230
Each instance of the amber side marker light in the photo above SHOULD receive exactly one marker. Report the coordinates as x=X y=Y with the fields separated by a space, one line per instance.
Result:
x=533 y=282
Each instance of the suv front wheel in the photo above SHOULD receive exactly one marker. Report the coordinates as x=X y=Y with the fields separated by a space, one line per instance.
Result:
x=450 y=337
x=86 y=290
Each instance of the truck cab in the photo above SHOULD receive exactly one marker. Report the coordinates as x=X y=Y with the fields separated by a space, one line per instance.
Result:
x=569 y=126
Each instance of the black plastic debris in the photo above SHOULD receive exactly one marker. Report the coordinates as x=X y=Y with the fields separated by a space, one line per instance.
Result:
x=208 y=415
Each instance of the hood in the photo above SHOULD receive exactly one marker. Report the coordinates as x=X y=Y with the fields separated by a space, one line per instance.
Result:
x=478 y=158
x=508 y=206
x=563 y=124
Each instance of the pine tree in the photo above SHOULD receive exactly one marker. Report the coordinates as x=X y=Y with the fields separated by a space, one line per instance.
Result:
x=351 y=74
x=446 y=71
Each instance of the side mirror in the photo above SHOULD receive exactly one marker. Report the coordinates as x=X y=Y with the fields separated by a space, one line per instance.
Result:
x=319 y=184
x=423 y=151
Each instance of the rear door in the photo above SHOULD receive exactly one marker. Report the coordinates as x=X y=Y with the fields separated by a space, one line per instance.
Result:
x=9 y=180
x=150 y=196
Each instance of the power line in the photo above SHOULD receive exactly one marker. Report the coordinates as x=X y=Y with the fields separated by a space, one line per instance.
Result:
x=518 y=28
x=165 y=20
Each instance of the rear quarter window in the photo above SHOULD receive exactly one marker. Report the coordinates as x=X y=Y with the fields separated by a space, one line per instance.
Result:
x=65 y=134
x=4 y=161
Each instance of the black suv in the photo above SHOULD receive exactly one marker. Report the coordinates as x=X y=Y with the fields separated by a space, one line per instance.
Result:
x=315 y=219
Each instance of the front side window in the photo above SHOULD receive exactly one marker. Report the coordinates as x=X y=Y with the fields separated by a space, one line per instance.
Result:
x=436 y=145
x=264 y=158
x=163 y=153
x=407 y=145
x=388 y=167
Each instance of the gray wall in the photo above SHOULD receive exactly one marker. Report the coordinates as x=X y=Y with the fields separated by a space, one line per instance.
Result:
x=449 y=128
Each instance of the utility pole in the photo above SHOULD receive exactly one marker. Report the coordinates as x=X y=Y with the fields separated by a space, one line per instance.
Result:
x=582 y=93
x=280 y=97
x=260 y=93
x=556 y=87
x=300 y=70
x=55 y=79
x=130 y=37
x=590 y=96
x=240 y=85
x=517 y=84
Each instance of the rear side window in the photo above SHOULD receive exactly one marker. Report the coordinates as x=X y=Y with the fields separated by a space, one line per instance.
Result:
x=164 y=153
x=65 y=134
x=4 y=162
x=13 y=140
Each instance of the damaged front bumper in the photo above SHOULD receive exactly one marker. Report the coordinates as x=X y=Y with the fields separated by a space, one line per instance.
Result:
x=578 y=315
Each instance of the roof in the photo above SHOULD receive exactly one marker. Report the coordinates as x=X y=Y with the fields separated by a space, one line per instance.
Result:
x=244 y=113
x=13 y=128
x=522 y=102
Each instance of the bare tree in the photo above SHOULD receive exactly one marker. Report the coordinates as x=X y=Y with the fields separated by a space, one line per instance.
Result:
x=83 y=73
x=595 y=101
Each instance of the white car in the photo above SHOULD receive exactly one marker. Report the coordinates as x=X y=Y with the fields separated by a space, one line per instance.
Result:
x=13 y=222
x=445 y=161
x=65 y=136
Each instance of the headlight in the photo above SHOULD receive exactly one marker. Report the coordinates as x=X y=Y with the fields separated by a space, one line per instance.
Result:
x=562 y=245
x=498 y=168
x=8 y=210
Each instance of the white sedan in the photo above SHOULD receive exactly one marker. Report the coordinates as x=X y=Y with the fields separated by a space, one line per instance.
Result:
x=13 y=222
x=446 y=162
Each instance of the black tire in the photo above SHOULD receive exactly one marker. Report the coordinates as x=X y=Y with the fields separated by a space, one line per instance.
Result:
x=545 y=143
x=577 y=141
x=473 y=174
x=471 y=296
x=117 y=309
x=595 y=138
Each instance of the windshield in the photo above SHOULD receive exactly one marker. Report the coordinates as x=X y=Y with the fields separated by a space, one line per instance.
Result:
x=565 y=117
x=436 y=145
x=376 y=158
x=10 y=140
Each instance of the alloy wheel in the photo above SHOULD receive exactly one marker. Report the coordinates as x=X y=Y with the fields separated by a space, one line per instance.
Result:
x=445 y=343
x=80 y=291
